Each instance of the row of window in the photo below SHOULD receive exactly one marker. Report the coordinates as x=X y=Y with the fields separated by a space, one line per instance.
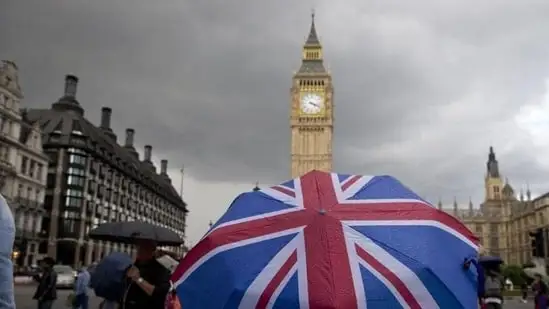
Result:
x=31 y=168
x=28 y=222
x=28 y=192
x=7 y=126
x=120 y=194
x=8 y=103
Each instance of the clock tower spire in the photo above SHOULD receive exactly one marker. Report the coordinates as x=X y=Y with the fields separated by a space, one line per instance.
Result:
x=311 y=120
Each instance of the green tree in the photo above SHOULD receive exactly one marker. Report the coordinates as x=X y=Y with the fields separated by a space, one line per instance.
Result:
x=515 y=274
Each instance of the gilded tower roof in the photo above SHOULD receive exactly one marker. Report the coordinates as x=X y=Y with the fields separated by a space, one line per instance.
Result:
x=312 y=53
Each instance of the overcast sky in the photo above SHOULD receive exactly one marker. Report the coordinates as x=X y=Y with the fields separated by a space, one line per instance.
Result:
x=423 y=88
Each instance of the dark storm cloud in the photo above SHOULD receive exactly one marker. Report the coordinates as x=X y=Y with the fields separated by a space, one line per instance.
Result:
x=422 y=89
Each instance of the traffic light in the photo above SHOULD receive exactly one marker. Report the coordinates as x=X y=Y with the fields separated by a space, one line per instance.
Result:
x=537 y=243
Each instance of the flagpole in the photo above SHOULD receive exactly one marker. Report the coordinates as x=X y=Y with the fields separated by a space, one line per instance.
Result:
x=182 y=171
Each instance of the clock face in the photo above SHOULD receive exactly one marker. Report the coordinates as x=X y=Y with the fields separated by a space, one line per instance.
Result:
x=312 y=103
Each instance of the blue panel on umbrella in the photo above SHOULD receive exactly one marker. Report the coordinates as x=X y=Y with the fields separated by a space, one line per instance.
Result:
x=251 y=204
x=377 y=294
x=202 y=287
x=413 y=244
x=385 y=187
x=289 y=184
x=342 y=178
x=289 y=297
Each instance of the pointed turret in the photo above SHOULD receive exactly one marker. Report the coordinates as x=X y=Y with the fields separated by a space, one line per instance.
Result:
x=312 y=39
x=312 y=52
x=493 y=182
x=455 y=207
x=492 y=167
x=470 y=206
x=439 y=204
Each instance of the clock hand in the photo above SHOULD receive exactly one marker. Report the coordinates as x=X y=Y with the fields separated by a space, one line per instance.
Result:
x=314 y=104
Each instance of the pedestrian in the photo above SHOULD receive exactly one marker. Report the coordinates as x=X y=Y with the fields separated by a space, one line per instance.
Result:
x=46 y=292
x=148 y=282
x=524 y=290
x=493 y=290
x=81 y=298
x=7 y=235
x=540 y=292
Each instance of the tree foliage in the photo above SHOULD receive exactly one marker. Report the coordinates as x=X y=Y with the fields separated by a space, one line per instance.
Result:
x=515 y=273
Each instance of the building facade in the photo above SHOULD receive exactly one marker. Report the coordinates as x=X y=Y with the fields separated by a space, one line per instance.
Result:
x=23 y=167
x=504 y=220
x=311 y=111
x=92 y=179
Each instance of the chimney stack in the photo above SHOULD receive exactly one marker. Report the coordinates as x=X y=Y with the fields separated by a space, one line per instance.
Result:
x=164 y=167
x=129 y=137
x=71 y=83
x=148 y=153
x=106 y=113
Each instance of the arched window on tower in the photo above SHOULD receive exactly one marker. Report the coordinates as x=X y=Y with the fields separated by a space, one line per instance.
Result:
x=496 y=192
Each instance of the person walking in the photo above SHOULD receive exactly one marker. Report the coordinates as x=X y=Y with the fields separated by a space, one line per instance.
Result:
x=81 y=299
x=46 y=292
x=7 y=236
x=524 y=290
x=493 y=290
x=540 y=289
x=148 y=281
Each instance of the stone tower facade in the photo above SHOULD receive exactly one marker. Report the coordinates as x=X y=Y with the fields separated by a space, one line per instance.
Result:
x=312 y=111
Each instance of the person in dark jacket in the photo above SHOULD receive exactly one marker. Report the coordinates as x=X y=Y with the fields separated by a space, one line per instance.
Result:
x=46 y=292
x=148 y=281
x=541 y=291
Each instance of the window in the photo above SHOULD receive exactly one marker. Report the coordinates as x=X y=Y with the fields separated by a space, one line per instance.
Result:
x=21 y=221
x=32 y=166
x=30 y=222
x=77 y=159
x=73 y=198
x=76 y=171
x=38 y=224
x=24 y=161
x=20 y=190
x=70 y=226
x=76 y=180
x=39 y=168
x=38 y=195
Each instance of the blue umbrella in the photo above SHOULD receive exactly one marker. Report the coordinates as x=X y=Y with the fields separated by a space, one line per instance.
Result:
x=108 y=277
x=326 y=240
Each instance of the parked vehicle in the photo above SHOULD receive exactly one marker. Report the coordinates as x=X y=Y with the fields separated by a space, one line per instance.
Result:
x=65 y=276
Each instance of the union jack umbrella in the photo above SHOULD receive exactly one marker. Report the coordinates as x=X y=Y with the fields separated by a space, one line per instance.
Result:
x=331 y=241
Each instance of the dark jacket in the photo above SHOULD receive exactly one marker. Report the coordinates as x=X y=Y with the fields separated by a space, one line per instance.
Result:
x=155 y=274
x=46 y=289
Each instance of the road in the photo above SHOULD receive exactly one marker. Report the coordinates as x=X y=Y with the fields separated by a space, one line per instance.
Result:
x=23 y=298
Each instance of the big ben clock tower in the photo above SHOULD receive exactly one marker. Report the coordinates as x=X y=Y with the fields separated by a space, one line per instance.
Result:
x=312 y=111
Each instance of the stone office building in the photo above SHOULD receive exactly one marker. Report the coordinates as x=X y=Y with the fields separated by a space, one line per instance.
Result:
x=92 y=179
x=22 y=167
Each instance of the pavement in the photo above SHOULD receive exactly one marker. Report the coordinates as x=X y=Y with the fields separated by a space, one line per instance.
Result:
x=24 y=293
